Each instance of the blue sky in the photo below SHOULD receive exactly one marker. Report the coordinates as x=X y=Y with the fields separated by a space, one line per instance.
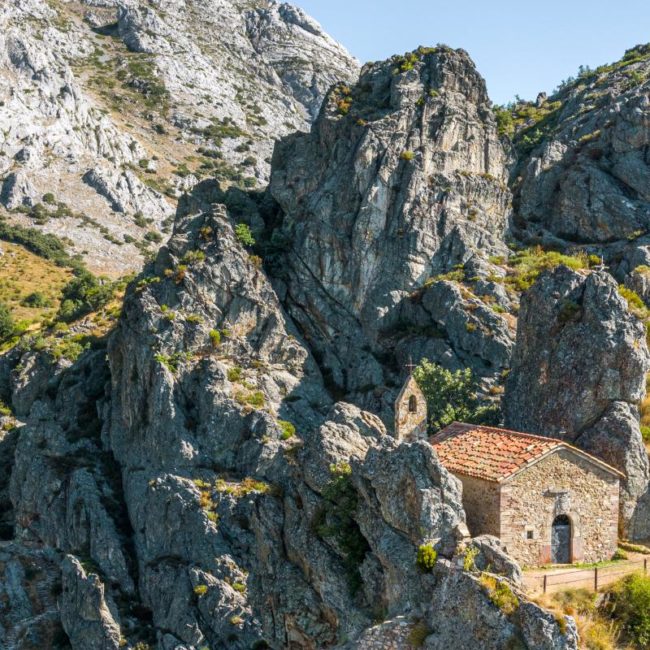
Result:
x=519 y=47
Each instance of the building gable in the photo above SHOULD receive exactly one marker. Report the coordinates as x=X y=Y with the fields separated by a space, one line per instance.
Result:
x=410 y=412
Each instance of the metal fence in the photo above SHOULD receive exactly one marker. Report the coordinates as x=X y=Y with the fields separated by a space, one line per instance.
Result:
x=593 y=579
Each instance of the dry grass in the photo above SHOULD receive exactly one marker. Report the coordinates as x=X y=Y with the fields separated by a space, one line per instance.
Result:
x=23 y=273
x=596 y=632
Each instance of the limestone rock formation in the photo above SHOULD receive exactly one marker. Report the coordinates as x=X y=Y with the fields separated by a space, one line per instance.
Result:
x=585 y=179
x=578 y=372
x=30 y=580
x=85 y=614
x=195 y=479
x=208 y=493
x=407 y=179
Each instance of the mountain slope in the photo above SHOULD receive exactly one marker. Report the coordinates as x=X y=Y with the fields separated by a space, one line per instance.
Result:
x=111 y=109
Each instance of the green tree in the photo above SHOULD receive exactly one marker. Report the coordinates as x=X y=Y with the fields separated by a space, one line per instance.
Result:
x=7 y=326
x=84 y=294
x=451 y=396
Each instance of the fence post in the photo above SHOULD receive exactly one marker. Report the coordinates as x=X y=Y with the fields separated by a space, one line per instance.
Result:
x=596 y=579
x=545 y=583
x=645 y=566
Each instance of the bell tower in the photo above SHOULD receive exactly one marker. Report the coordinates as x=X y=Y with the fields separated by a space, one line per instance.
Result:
x=410 y=411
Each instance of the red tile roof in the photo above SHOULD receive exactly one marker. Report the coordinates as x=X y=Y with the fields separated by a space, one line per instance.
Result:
x=494 y=454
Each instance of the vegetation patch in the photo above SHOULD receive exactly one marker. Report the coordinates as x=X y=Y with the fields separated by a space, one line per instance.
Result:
x=452 y=396
x=628 y=603
x=426 y=558
x=287 y=429
x=418 y=634
x=244 y=235
x=500 y=593
x=525 y=266
x=596 y=631
x=242 y=488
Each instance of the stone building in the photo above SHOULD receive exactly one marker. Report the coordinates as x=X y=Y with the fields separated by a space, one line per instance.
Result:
x=410 y=412
x=547 y=501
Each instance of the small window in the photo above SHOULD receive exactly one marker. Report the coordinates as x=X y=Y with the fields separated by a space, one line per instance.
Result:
x=413 y=404
x=530 y=534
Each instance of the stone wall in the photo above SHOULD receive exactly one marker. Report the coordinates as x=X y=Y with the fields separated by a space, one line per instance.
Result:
x=482 y=503
x=410 y=424
x=563 y=483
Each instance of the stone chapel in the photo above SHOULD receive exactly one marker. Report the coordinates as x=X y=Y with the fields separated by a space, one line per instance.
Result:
x=548 y=501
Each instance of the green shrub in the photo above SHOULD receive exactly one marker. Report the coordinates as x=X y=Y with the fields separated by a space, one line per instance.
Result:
x=469 y=558
x=193 y=257
x=287 y=429
x=153 y=236
x=234 y=374
x=7 y=325
x=201 y=590
x=36 y=299
x=244 y=234
x=628 y=602
x=500 y=593
x=407 y=155
x=505 y=122
x=82 y=295
x=256 y=399
x=49 y=198
x=215 y=338
x=426 y=558
x=633 y=298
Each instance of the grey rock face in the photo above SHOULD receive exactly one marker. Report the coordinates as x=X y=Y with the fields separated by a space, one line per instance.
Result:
x=461 y=610
x=578 y=371
x=467 y=332
x=86 y=617
x=587 y=182
x=305 y=58
x=394 y=196
x=29 y=583
x=201 y=518
x=490 y=556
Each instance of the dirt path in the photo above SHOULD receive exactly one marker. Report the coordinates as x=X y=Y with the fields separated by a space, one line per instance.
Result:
x=550 y=580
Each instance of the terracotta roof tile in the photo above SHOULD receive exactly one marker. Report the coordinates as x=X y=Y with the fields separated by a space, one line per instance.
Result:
x=493 y=454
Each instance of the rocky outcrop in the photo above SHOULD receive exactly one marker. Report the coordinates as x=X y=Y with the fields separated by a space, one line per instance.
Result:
x=85 y=615
x=29 y=586
x=578 y=372
x=488 y=554
x=208 y=493
x=462 y=610
x=585 y=178
x=395 y=195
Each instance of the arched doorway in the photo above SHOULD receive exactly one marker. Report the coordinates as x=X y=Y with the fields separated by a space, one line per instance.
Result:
x=561 y=540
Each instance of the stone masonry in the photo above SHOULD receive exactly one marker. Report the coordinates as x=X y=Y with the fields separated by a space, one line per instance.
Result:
x=563 y=483
x=410 y=412
x=516 y=485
